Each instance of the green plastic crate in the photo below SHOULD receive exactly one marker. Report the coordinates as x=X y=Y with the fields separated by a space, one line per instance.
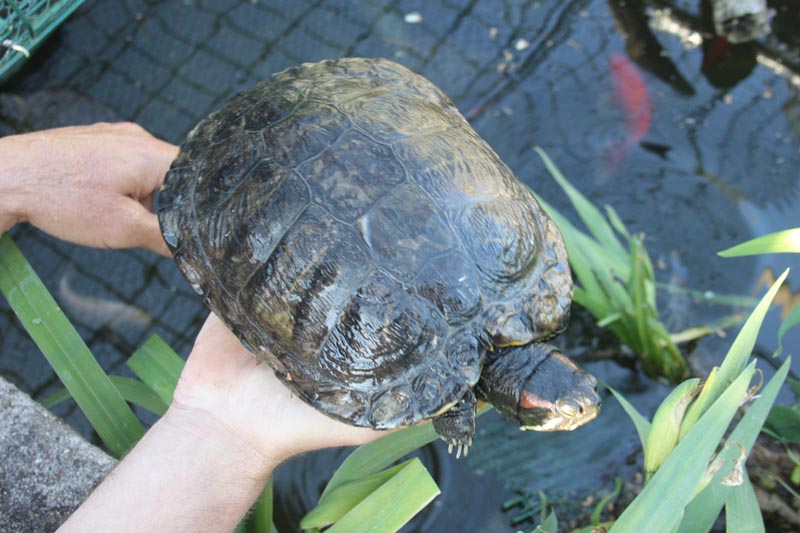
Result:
x=24 y=25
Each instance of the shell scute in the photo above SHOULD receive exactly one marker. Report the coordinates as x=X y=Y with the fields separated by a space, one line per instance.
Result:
x=351 y=175
x=450 y=281
x=313 y=128
x=382 y=332
x=403 y=230
x=298 y=292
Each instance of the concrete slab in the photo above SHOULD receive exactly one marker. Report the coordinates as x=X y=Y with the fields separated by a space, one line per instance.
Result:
x=46 y=468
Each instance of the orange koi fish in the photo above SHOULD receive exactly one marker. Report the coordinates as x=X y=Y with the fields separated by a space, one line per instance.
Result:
x=636 y=103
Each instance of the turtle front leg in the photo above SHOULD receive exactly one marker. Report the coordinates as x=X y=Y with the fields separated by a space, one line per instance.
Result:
x=457 y=426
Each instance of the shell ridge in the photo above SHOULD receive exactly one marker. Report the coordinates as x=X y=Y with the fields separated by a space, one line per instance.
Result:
x=227 y=195
x=342 y=304
x=196 y=237
x=318 y=155
x=276 y=244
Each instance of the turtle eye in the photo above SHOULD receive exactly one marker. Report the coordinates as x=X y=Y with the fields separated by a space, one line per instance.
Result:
x=569 y=408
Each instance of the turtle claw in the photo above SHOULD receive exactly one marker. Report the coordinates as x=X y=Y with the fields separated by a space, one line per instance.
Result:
x=461 y=447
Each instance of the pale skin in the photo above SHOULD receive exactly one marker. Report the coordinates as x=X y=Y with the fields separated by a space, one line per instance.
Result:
x=203 y=464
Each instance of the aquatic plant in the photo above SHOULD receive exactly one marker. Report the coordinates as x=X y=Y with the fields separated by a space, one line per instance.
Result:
x=783 y=422
x=686 y=483
x=614 y=281
x=687 y=480
x=781 y=242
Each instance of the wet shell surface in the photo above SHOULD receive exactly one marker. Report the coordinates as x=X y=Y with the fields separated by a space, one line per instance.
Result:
x=353 y=230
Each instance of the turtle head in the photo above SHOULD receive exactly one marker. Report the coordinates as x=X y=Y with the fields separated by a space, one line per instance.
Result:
x=557 y=396
x=539 y=388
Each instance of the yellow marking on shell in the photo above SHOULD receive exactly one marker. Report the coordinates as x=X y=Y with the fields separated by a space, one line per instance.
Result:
x=306 y=268
x=282 y=324
x=446 y=408
x=511 y=344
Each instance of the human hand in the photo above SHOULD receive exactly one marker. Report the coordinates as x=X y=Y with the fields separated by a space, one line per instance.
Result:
x=225 y=390
x=91 y=185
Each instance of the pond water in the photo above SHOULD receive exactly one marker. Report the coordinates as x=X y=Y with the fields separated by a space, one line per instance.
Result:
x=712 y=161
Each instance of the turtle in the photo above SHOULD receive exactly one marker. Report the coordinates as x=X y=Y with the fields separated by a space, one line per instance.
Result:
x=353 y=231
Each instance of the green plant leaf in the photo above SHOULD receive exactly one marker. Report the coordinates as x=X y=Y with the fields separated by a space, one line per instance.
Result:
x=158 y=365
x=663 y=499
x=641 y=423
x=733 y=300
x=742 y=512
x=609 y=319
x=693 y=413
x=66 y=352
x=695 y=332
x=740 y=351
x=785 y=423
x=338 y=502
x=616 y=222
x=791 y=320
x=580 y=264
x=601 y=505
x=787 y=241
x=132 y=390
x=794 y=384
x=701 y=513
x=666 y=425
x=671 y=361
x=548 y=525
x=260 y=518
x=590 y=215
x=393 y=504
x=377 y=455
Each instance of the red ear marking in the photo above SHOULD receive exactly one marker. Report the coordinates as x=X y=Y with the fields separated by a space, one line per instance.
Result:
x=529 y=400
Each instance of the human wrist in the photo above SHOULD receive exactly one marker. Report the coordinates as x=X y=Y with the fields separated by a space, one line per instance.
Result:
x=13 y=182
x=224 y=449
x=187 y=471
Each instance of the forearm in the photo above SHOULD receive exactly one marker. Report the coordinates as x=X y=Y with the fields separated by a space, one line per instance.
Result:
x=182 y=476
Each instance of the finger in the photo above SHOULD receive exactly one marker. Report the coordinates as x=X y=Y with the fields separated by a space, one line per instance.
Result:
x=137 y=228
x=147 y=201
x=161 y=156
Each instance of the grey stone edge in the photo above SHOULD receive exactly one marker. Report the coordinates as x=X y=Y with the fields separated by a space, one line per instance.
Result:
x=46 y=468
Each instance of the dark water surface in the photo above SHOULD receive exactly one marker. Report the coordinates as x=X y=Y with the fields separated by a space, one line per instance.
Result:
x=716 y=162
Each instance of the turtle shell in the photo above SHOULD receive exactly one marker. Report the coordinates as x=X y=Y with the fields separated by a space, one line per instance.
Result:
x=353 y=230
